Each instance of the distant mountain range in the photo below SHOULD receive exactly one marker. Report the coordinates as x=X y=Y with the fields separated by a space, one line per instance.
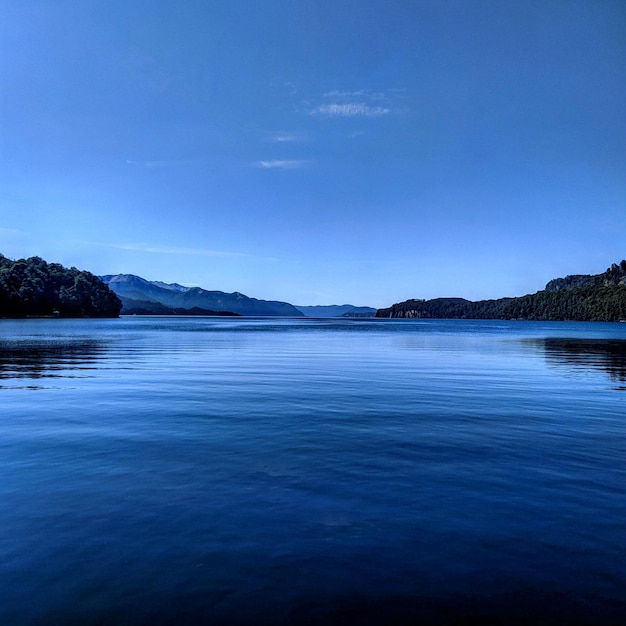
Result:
x=139 y=295
x=597 y=297
x=144 y=297
x=32 y=287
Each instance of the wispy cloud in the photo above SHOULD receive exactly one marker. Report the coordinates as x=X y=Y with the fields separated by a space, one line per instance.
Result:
x=156 y=249
x=361 y=94
x=286 y=137
x=278 y=164
x=11 y=231
x=176 y=250
x=152 y=164
x=350 y=109
x=291 y=88
x=353 y=103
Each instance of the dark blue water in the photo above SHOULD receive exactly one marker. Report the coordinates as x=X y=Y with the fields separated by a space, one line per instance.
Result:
x=247 y=471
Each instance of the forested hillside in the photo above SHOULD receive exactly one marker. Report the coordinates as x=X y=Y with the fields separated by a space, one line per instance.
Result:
x=599 y=297
x=32 y=287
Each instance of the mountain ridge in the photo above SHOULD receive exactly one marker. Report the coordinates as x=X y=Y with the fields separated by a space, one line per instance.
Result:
x=143 y=296
x=130 y=287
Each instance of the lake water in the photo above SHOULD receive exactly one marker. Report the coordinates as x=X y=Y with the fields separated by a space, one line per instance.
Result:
x=287 y=471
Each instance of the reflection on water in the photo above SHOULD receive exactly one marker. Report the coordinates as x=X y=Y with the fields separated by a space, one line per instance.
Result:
x=607 y=355
x=38 y=359
x=237 y=471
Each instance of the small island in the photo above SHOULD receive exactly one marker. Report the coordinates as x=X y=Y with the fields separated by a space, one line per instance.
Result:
x=33 y=288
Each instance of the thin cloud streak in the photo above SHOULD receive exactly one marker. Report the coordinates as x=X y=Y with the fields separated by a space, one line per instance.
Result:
x=361 y=94
x=12 y=231
x=152 y=164
x=282 y=164
x=353 y=109
x=142 y=247
x=287 y=137
x=173 y=250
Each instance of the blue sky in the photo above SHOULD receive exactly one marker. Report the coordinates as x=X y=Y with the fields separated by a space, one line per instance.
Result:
x=316 y=152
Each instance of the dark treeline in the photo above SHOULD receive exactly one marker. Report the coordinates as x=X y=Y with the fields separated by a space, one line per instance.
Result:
x=446 y=308
x=600 y=297
x=32 y=287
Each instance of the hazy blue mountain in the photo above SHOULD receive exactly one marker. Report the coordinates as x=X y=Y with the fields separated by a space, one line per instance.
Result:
x=172 y=286
x=337 y=310
x=130 y=287
x=134 y=287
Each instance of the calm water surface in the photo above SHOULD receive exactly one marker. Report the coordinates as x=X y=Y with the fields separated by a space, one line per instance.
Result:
x=278 y=471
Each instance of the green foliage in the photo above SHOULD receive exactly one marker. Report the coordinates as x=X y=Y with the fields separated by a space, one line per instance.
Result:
x=605 y=304
x=601 y=297
x=447 y=308
x=32 y=287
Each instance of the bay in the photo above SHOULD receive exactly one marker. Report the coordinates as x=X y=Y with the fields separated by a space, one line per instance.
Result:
x=282 y=471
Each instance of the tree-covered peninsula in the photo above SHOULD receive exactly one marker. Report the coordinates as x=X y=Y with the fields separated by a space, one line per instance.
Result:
x=580 y=297
x=33 y=288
